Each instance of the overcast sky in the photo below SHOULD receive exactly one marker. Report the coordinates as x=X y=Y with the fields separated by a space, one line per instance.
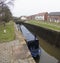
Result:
x=30 y=7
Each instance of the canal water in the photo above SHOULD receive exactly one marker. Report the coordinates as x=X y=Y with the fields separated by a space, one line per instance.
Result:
x=44 y=57
x=32 y=42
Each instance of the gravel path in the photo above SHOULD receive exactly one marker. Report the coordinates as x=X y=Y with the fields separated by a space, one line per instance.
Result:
x=6 y=52
x=15 y=52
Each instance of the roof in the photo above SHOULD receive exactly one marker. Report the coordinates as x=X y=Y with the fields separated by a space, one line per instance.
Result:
x=40 y=14
x=54 y=14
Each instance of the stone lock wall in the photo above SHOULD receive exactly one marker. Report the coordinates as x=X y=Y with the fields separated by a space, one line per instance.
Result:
x=51 y=36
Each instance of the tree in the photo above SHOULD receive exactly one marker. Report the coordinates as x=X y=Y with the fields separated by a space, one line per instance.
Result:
x=5 y=14
x=4 y=10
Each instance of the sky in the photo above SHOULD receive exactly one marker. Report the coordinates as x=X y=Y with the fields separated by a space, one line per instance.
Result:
x=30 y=7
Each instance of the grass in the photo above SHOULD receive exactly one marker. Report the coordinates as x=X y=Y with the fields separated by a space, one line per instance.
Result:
x=53 y=26
x=53 y=51
x=9 y=35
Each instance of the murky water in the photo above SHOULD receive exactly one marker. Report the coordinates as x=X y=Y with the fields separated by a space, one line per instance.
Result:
x=29 y=36
x=44 y=57
x=32 y=42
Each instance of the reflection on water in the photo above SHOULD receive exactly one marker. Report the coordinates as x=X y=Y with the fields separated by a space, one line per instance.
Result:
x=32 y=43
x=44 y=57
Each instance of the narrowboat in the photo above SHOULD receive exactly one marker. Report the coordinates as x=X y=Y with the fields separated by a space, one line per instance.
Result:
x=32 y=41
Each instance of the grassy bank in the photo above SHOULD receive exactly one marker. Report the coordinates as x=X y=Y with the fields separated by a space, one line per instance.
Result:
x=53 y=26
x=9 y=35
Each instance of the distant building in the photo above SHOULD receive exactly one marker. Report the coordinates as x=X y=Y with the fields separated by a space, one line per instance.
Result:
x=32 y=17
x=54 y=17
x=39 y=16
x=23 y=18
x=44 y=16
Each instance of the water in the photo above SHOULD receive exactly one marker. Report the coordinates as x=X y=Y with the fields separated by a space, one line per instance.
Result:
x=44 y=56
x=29 y=36
x=32 y=41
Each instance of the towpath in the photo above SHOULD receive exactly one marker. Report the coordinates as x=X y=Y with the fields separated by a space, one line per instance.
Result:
x=15 y=51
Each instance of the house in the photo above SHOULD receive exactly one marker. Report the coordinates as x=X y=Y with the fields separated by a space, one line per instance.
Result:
x=39 y=16
x=31 y=17
x=54 y=17
x=23 y=18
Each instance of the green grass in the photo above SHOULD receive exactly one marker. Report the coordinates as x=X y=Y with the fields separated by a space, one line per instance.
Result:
x=52 y=26
x=53 y=51
x=9 y=35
